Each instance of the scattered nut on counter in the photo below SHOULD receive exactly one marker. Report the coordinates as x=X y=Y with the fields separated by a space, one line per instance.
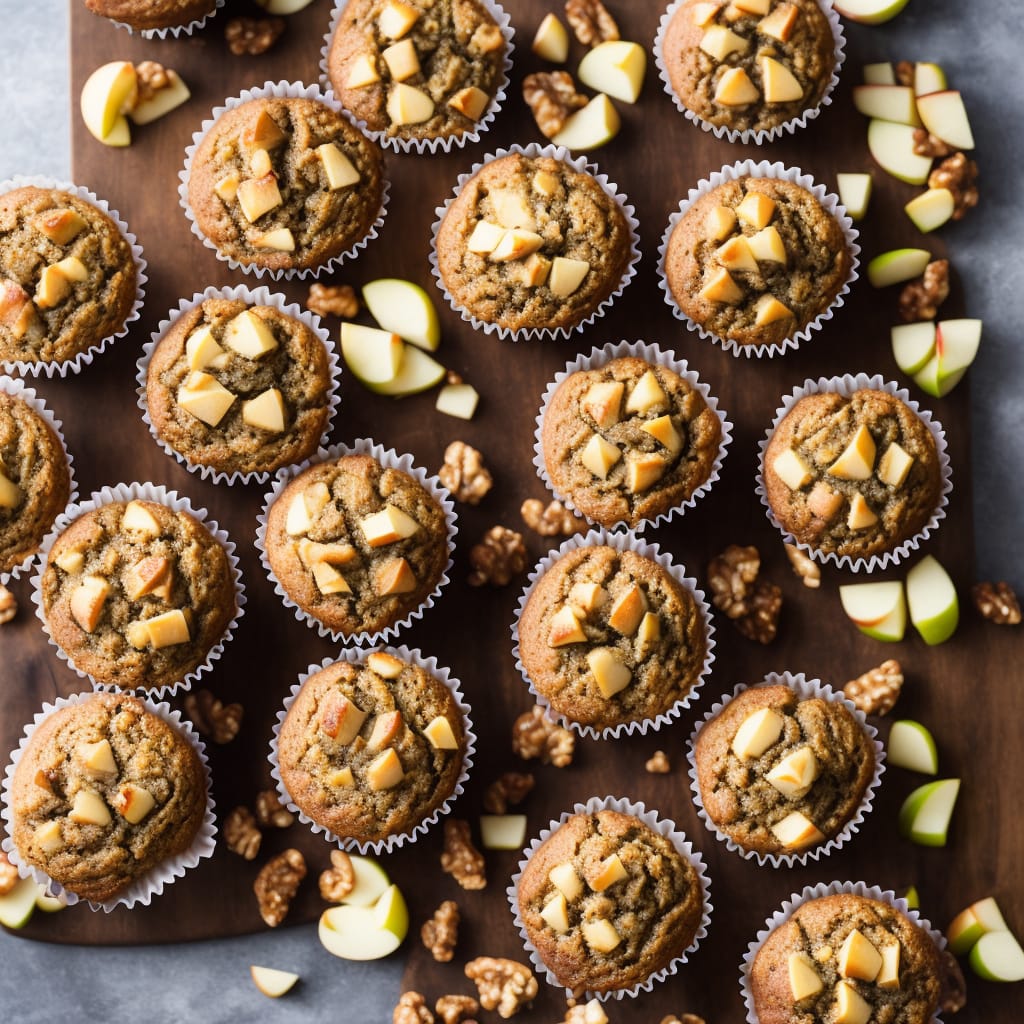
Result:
x=997 y=602
x=241 y=835
x=804 y=566
x=220 y=722
x=536 y=735
x=590 y=21
x=276 y=885
x=509 y=789
x=337 y=881
x=440 y=933
x=464 y=473
x=503 y=985
x=550 y=520
x=878 y=689
x=461 y=859
x=8 y=605
x=752 y=605
x=338 y=300
x=270 y=812
x=456 y=1009
x=249 y=37
x=498 y=558
x=658 y=764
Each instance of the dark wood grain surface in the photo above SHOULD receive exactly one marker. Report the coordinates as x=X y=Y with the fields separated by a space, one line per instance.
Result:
x=963 y=690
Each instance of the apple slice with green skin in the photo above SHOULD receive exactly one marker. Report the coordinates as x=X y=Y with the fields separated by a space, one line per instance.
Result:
x=272 y=982
x=870 y=12
x=879 y=74
x=931 y=209
x=897 y=265
x=911 y=746
x=912 y=899
x=375 y=357
x=928 y=78
x=997 y=956
x=366 y=933
x=854 y=193
x=405 y=309
x=956 y=346
x=892 y=146
x=925 y=814
x=913 y=345
x=931 y=596
x=419 y=372
x=597 y=123
x=16 y=906
x=615 y=67
x=876 y=609
x=109 y=92
x=888 y=102
x=47 y=903
x=283 y=6
x=371 y=882
x=944 y=115
x=970 y=924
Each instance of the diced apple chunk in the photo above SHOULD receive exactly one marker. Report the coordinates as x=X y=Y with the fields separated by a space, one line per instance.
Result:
x=702 y=13
x=857 y=462
x=599 y=455
x=387 y=526
x=516 y=244
x=88 y=808
x=387 y=666
x=409 y=105
x=610 y=674
x=565 y=628
x=138 y=518
x=97 y=759
x=769 y=310
x=794 y=775
x=718 y=42
x=600 y=935
x=361 y=72
x=249 y=335
x=650 y=628
x=205 y=397
x=721 y=288
x=566 y=275
x=71 y=560
x=756 y=209
x=779 y=24
x=735 y=89
x=202 y=350
x=555 y=913
x=263 y=133
x=133 y=802
x=643 y=471
x=280 y=239
x=459 y=400
x=87 y=601
x=396 y=18
x=10 y=492
x=735 y=255
x=610 y=871
x=485 y=237
x=440 y=734
x=796 y=831
x=386 y=729
x=851 y=1006
x=265 y=412
x=647 y=395
x=587 y=597
x=628 y=611
x=384 y=771
x=328 y=580
x=565 y=879
x=401 y=60
x=227 y=187
x=894 y=465
x=168 y=629
x=552 y=40
x=792 y=470
x=767 y=245
x=48 y=837
x=502 y=831
x=780 y=84
x=145 y=576
x=395 y=577
x=60 y=226
x=804 y=980
x=720 y=222
x=757 y=732
x=471 y=102
x=340 y=171
x=889 y=974
x=53 y=288
x=603 y=402
x=858 y=957
x=861 y=515
x=257 y=196
x=340 y=718
x=823 y=502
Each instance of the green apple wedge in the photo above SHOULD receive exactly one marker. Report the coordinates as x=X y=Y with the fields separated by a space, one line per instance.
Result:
x=405 y=309
x=970 y=924
x=419 y=372
x=888 y=102
x=615 y=67
x=892 y=146
x=928 y=78
x=371 y=882
x=931 y=209
x=870 y=12
x=47 y=903
x=854 y=193
x=913 y=900
x=597 y=123
x=913 y=345
x=945 y=116
x=925 y=814
x=374 y=356
x=931 y=597
x=897 y=265
x=956 y=345
x=912 y=746
x=997 y=956
x=876 y=609
x=366 y=933
x=16 y=906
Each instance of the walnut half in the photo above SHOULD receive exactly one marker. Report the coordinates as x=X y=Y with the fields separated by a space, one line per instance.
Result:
x=252 y=36
x=552 y=98
x=498 y=557
x=241 y=834
x=997 y=602
x=277 y=883
x=535 y=735
x=878 y=689
x=504 y=985
x=464 y=473
x=591 y=23
x=461 y=859
x=440 y=934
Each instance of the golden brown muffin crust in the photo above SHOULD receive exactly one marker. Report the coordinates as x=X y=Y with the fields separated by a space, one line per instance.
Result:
x=146 y=14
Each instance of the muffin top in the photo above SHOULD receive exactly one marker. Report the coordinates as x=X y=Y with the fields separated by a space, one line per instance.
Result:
x=369 y=751
x=105 y=791
x=67 y=277
x=147 y=14
x=628 y=440
x=852 y=476
x=35 y=482
x=416 y=69
x=136 y=593
x=609 y=636
x=756 y=259
x=846 y=951
x=239 y=388
x=356 y=545
x=285 y=183
x=531 y=242
x=607 y=901
x=751 y=64
x=778 y=774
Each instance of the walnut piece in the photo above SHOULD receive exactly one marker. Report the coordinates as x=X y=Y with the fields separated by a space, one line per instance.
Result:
x=150 y=78
x=551 y=520
x=498 y=557
x=959 y=175
x=761 y=623
x=241 y=834
x=8 y=605
x=339 y=879
x=464 y=473
x=440 y=934
x=332 y=300
x=876 y=692
x=456 y=1009
x=504 y=985
x=270 y=812
x=252 y=36
x=8 y=874
x=591 y=23
x=551 y=97
x=997 y=602
x=586 y=1013
x=904 y=73
x=920 y=299
x=509 y=789
x=412 y=1009
x=926 y=144
x=658 y=764
x=277 y=883
x=752 y=604
x=953 y=988
x=220 y=722
x=461 y=859
x=804 y=566
x=535 y=735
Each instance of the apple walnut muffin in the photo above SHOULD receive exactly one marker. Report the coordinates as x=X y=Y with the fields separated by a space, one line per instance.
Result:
x=152 y=14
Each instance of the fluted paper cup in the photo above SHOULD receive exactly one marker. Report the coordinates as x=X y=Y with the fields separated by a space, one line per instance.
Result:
x=174 y=31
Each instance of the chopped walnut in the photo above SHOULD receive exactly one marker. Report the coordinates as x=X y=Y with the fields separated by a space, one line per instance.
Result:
x=339 y=879
x=535 y=735
x=455 y=1009
x=752 y=604
x=952 y=987
x=805 y=567
x=510 y=788
x=150 y=78
x=440 y=934
x=412 y=1009
x=876 y=692
x=497 y=558
x=504 y=985
x=551 y=520
x=761 y=623
x=277 y=883
x=959 y=175
x=552 y=98
x=8 y=874
x=997 y=602
x=332 y=300
x=659 y=764
x=461 y=859
x=8 y=605
x=926 y=144
x=904 y=72
x=249 y=37
x=590 y=21
x=464 y=473
x=241 y=834
x=920 y=299
x=586 y=1013
x=220 y=722
x=270 y=812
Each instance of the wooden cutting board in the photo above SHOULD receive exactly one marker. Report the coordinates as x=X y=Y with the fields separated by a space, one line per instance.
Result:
x=960 y=690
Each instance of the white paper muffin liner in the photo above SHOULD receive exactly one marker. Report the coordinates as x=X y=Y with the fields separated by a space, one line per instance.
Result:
x=152 y=883
x=261 y=296
x=532 y=151
x=664 y=827
x=82 y=359
x=390 y=459
x=762 y=169
x=17 y=389
x=652 y=353
x=275 y=90
x=813 y=892
x=179 y=503
x=357 y=656
x=446 y=144
x=806 y=689
x=173 y=30
x=620 y=542
x=846 y=385
x=760 y=135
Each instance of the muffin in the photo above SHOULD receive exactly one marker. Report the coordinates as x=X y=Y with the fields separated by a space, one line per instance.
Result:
x=749 y=66
x=756 y=259
x=285 y=183
x=628 y=441
x=423 y=69
x=846 y=957
x=136 y=593
x=852 y=475
x=152 y=14
x=609 y=636
x=104 y=792
x=356 y=545
x=370 y=750
x=779 y=774
x=532 y=242
x=239 y=388
x=606 y=901
x=67 y=277
x=35 y=480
